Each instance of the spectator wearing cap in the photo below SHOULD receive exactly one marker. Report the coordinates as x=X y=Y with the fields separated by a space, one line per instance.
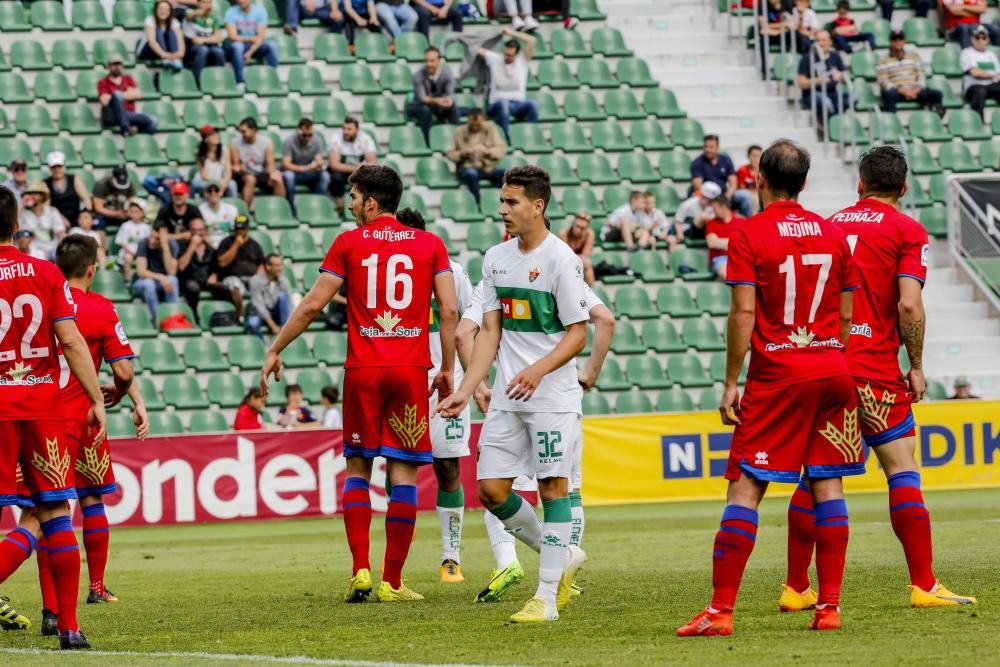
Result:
x=433 y=93
x=18 y=180
x=253 y=163
x=270 y=298
x=240 y=257
x=162 y=38
x=132 y=231
x=178 y=216
x=111 y=194
x=963 y=390
x=580 y=238
x=327 y=12
x=156 y=269
x=67 y=193
x=981 y=81
x=218 y=215
x=829 y=72
x=509 y=72
x=214 y=163
x=963 y=18
x=303 y=163
x=24 y=241
x=437 y=10
x=349 y=149
x=203 y=35
x=696 y=211
x=715 y=167
x=620 y=227
x=476 y=148
x=717 y=232
x=117 y=93
x=845 y=31
x=39 y=217
x=920 y=8
x=246 y=32
x=902 y=79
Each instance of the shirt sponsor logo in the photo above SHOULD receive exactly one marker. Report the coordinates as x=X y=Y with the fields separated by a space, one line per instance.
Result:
x=515 y=309
x=20 y=270
x=387 y=328
x=799 y=229
x=862 y=329
x=391 y=235
x=20 y=376
x=800 y=338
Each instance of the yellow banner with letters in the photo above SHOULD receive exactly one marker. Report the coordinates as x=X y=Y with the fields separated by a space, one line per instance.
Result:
x=683 y=456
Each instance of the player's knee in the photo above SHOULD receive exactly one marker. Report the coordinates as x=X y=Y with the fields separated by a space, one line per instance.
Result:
x=490 y=495
x=448 y=473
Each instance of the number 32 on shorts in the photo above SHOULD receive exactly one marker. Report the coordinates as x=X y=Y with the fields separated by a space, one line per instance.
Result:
x=548 y=446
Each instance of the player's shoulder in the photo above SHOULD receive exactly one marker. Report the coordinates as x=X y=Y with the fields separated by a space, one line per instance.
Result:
x=94 y=302
x=501 y=250
x=557 y=249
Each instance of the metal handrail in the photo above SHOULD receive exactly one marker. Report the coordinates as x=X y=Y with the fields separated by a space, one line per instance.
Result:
x=958 y=199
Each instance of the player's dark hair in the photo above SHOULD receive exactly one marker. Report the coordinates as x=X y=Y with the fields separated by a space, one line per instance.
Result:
x=291 y=389
x=8 y=213
x=380 y=183
x=410 y=218
x=534 y=180
x=883 y=171
x=330 y=393
x=785 y=166
x=253 y=392
x=512 y=44
x=75 y=254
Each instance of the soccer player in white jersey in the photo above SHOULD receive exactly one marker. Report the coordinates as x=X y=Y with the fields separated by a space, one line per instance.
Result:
x=449 y=437
x=534 y=324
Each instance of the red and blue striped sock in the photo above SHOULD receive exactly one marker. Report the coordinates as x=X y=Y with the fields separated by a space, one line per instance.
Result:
x=733 y=544
x=358 y=520
x=96 y=534
x=801 y=537
x=831 y=549
x=64 y=564
x=15 y=548
x=912 y=525
x=45 y=582
x=400 y=520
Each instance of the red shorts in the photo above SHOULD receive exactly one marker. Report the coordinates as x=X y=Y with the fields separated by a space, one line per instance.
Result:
x=94 y=475
x=386 y=413
x=884 y=407
x=46 y=462
x=811 y=425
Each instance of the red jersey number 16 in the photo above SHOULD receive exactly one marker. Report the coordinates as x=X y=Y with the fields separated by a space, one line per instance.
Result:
x=395 y=281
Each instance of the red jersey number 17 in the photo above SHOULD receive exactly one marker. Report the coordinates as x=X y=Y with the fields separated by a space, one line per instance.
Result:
x=824 y=261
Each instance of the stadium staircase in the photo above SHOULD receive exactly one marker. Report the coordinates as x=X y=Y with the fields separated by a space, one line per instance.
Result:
x=625 y=101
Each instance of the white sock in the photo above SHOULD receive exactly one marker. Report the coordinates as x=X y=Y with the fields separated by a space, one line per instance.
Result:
x=576 y=509
x=521 y=520
x=554 y=551
x=450 y=519
x=502 y=542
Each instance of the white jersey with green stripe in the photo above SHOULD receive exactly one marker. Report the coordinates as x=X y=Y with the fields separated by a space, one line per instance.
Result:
x=463 y=289
x=538 y=294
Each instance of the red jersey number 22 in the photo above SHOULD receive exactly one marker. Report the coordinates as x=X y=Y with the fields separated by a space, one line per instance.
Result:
x=398 y=284
x=824 y=261
x=7 y=314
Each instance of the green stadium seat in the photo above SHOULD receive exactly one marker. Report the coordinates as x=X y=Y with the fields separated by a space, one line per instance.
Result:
x=330 y=347
x=596 y=170
x=917 y=195
x=945 y=61
x=887 y=128
x=410 y=46
x=785 y=68
x=262 y=80
x=413 y=200
x=90 y=16
x=880 y=28
x=6 y=127
x=166 y=114
x=408 y=141
x=650 y=267
x=221 y=82
x=372 y=47
x=316 y=211
x=119 y=424
x=29 y=55
x=569 y=138
x=676 y=301
x=17 y=149
x=128 y=14
x=709 y=398
x=687 y=133
x=586 y=10
x=64 y=145
x=610 y=137
x=675 y=400
x=612 y=259
x=864 y=65
x=14 y=18
x=181 y=85
x=35 y=120
x=957 y=158
x=691 y=264
x=274 y=213
x=687 y=371
x=50 y=16
x=383 y=111
x=441 y=137
x=459 y=205
x=921 y=32
x=676 y=165
x=936 y=391
x=165 y=423
x=995 y=122
x=276 y=393
x=298 y=355
x=615 y=196
x=165 y=310
x=435 y=173
x=634 y=72
x=596 y=74
x=111 y=285
x=921 y=161
x=86 y=84
x=967 y=124
x=333 y=48
x=713 y=298
x=160 y=356
x=288 y=50
x=528 y=138
x=556 y=75
x=648 y=135
x=938 y=188
x=135 y=318
x=306 y=80
x=183 y=393
x=142 y=150
x=208 y=422
x=569 y=44
x=181 y=148
x=483 y=236
x=612 y=378
x=636 y=168
x=205 y=311
x=299 y=246
x=549 y=111
x=580 y=199
x=396 y=78
x=609 y=42
x=245 y=352
x=949 y=99
x=661 y=336
x=595 y=404
x=285 y=113
x=559 y=168
x=626 y=339
x=149 y=394
x=837 y=127
x=935 y=220
x=70 y=54
x=633 y=402
x=702 y=334
x=623 y=105
x=634 y=303
x=661 y=103
x=667 y=198
x=13 y=89
x=328 y=111
x=236 y=110
x=647 y=373
x=474 y=267
x=989 y=155
x=357 y=78
x=927 y=126
x=104 y=47
x=582 y=105
x=225 y=390
x=312 y=382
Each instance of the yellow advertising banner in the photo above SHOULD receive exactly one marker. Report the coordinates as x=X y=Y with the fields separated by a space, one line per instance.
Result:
x=683 y=456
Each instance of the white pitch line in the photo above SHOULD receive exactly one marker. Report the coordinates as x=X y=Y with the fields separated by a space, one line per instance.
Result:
x=236 y=657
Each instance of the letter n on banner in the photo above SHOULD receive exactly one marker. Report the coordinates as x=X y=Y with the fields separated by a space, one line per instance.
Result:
x=681 y=456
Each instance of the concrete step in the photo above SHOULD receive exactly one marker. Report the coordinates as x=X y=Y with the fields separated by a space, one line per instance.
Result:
x=948 y=293
x=943 y=275
x=936 y=363
x=720 y=102
x=958 y=311
x=976 y=347
x=942 y=327
x=722 y=76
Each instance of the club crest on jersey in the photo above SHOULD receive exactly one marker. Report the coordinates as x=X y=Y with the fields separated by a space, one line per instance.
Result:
x=410 y=428
x=533 y=273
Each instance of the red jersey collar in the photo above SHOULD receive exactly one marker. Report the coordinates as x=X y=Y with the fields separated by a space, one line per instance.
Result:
x=784 y=203
x=874 y=203
x=11 y=248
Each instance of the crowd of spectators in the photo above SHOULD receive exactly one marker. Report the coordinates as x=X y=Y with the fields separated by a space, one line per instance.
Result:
x=294 y=414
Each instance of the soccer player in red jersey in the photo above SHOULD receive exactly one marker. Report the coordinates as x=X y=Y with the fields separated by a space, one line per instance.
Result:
x=37 y=315
x=792 y=277
x=389 y=273
x=890 y=250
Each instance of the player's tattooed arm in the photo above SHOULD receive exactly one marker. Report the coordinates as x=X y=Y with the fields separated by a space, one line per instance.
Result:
x=912 y=327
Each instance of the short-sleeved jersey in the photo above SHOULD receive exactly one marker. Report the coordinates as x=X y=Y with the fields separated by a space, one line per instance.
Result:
x=34 y=296
x=538 y=294
x=474 y=311
x=799 y=263
x=98 y=323
x=388 y=273
x=887 y=246
x=463 y=288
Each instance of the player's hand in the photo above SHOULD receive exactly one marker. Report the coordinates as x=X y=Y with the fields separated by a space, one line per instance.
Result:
x=272 y=366
x=482 y=395
x=98 y=420
x=729 y=407
x=918 y=385
x=111 y=395
x=452 y=407
x=586 y=380
x=522 y=387
x=444 y=384
x=141 y=420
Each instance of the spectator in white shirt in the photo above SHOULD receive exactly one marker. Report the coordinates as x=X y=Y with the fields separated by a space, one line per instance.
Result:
x=47 y=223
x=509 y=73
x=130 y=233
x=982 y=71
x=218 y=215
x=329 y=397
x=656 y=223
x=349 y=149
x=620 y=226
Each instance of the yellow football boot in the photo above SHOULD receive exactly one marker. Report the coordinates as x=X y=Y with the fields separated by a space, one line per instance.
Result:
x=792 y=600
x=577 y=557
x=386 y=593
x=451 y=572
x=939 y=596
x=360 y=587
x=535 y=611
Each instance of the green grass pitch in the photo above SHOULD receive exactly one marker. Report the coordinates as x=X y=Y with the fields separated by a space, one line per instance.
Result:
x=274 y=589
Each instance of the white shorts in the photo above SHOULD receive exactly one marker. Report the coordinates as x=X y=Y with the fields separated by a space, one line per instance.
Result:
x=576 y=473
x=533 y=444
x=450 y=437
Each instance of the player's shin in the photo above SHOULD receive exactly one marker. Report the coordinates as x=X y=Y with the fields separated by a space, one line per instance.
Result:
x=45 y=581
x=501 y=542
x=555 y=540
x=64 y=564
x=520 y=519
x=358 y=520
x=801 y=537
x=912 y=525
x=15 y=548
x=733 y=544
x=96 y=536
x=400 y=520
x=576 y=509
x=831 y=549
x=451 y=511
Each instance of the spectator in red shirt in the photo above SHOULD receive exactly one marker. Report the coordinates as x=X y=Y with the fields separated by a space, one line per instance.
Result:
x=717 y=232
x=845 y=31
x=249 y=415
x=746 y=176
x=961 y=17
x=117 y=93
